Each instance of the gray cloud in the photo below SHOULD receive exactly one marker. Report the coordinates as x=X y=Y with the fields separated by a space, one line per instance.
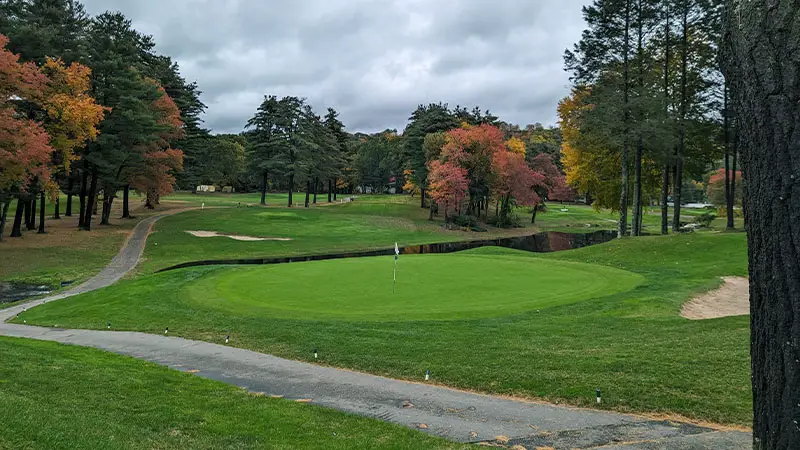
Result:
x=373 y=60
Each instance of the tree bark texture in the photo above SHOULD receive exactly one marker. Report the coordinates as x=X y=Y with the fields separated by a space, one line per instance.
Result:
x=761 y=56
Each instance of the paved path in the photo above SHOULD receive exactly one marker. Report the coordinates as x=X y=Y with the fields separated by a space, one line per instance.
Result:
x=460 y=416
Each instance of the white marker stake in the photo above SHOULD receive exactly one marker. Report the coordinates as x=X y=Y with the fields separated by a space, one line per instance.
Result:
x=427 y=375
x=598 y=397
x=396 y=257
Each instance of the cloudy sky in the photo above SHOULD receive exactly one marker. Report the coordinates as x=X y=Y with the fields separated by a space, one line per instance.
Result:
x=372 y=60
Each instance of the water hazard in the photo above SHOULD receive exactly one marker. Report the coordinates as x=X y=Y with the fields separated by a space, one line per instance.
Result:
x=537 y=243
x=14 y=292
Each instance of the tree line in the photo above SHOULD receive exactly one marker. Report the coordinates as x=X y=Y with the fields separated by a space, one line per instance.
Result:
x=455 y=159
x=649 y=108
x=89 y=109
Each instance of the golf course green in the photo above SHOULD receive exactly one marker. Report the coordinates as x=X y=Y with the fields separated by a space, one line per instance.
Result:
x=361 y=289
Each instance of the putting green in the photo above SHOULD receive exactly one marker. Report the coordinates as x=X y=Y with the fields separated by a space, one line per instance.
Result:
x=429 y=287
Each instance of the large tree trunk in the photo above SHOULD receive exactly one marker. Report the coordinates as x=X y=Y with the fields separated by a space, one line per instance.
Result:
x=84 y=187
x=3 y=215
x=91 y=200
x=126 y=194
x=623 y=196
x=762 y=60
x=16 y=229
x=70 y=187
x=264 y=186
x=41 y=214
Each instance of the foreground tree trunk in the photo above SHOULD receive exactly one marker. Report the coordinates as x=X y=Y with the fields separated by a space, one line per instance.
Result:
x=91 y=200
x=41 y=213
x=16 y=229
x=762 y=61
x=126 y=194
x=3 y=215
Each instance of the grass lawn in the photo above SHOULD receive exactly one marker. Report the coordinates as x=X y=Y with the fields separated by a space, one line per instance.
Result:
x=631 y=343
x=62 y=397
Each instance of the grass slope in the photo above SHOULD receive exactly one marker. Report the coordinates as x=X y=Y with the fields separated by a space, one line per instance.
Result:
x=62 y=397
x=632 y=344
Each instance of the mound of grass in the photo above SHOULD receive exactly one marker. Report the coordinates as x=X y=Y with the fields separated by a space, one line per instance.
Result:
x=62 y=397
x=632 y=344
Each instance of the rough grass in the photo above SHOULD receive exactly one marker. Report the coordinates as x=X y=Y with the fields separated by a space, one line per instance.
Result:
x=60 y=397
x=632 y=344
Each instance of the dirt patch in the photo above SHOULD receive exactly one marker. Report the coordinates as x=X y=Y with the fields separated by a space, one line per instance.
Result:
x=210 y=234
x=731 y=299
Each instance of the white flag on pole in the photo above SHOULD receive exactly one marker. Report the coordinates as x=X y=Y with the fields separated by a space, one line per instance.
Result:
x=396 y=250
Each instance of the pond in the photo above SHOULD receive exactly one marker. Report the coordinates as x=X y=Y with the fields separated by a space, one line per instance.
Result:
x=14 y=292
x=537 y=243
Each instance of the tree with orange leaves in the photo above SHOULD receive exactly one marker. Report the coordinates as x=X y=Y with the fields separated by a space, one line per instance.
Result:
x=72 y=116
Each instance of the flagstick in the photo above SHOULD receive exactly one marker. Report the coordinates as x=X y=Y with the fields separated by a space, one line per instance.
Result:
x=394 y=283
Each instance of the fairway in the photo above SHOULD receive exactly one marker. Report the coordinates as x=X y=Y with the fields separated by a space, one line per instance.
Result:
x=361 y=289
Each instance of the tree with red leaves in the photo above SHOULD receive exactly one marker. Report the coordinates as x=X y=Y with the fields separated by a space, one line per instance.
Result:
x=24 y=145
x=156 y=176
x=473 y=149
x=448 y=185
x=516 y=184
x=716 y=187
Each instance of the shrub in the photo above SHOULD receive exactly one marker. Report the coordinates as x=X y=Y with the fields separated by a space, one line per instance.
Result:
x=705 y=219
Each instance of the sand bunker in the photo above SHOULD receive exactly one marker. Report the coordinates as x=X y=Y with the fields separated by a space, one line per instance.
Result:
x=731 y=299
x=210 y=234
